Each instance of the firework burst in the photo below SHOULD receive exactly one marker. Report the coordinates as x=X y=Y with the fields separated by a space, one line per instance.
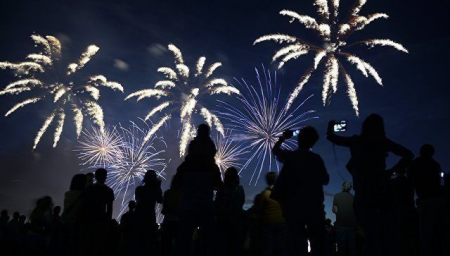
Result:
x=129 y=157
x=229 y=153
x=39 y=74
x=333 y=48
x=262 y=119
x=100 y=148
x=183 y=90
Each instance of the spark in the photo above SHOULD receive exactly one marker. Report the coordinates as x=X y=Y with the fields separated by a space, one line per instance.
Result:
x=40 y=75
x=185 y=91
x=262 y=118
x=333 y=48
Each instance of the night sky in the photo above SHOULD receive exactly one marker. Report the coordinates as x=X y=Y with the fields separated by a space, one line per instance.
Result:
x=133 y=35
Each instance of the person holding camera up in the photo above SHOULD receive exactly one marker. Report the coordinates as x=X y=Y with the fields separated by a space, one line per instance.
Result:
x=299 y=189
x=374 y=200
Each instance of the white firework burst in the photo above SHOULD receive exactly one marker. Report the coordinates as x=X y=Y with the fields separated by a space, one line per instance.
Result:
x=39 y=75
x=229 y=153
x=333 y=48
x=184 y=90
x=262 y=118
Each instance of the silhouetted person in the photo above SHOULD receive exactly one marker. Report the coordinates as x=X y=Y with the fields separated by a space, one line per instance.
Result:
x=373 y=201
x=171 y=210
x=97 y=214
x=407 y=216
x=299 y=189
x=147 y=195
x=41 y=216
x=4 y=219
x=230 y=199
x=55 y=236
x=273 y=227
x=254 y=228
x=345 y=221
x=198 y=176
x=72 y=215
x=330 y=237
x=14 y=234
x=433 y=209
x=126 y=227
x=89 y=179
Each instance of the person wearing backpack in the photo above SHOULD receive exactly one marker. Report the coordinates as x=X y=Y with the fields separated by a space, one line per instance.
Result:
x=229 y=201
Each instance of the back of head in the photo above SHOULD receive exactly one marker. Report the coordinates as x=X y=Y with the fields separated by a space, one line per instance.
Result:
x=57 y=210
x=307 y=137
x=203 y=131
x=78 y=182
x=231 y=177
x=22 y=218
x=427 y=150
x=16 y=215
x=373 y=127
x=346 y=186
x=4 y=213
x=132 y=205
x=271 y=178
x=150 y=178
x=100 y=175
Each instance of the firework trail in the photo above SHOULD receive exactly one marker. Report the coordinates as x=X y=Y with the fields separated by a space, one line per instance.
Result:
x=40 y=73
x=134 y=156
x=262 y=119
x=333 y=48
x=229 y=153
x=183 y=90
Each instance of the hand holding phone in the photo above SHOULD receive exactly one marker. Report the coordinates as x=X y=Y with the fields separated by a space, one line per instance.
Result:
x=340 y=126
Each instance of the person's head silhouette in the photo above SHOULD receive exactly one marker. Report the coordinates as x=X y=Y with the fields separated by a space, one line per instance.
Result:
x=271 y=178
x=427 y=150
x=22 y=219
x=346 y=186
x=132 y=205
x=373 y=126
x=231 y=177
x=203 y=131
x=150 y=178
x=100 y=175
x=78 y=182
x=16 y=215
x=307 y=137
x=57 y=210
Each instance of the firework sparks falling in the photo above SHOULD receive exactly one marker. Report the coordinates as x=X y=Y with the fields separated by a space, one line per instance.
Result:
x=36 y=74
x=229 y=153
x=333 y=48
x=183 y=91
x=262 y=119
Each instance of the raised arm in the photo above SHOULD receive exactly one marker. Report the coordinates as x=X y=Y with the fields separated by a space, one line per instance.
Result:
x=280 y=153
x=336 y=139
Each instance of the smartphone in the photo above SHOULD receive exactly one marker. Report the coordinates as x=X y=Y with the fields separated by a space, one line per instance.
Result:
x=340 y=126
x=296 y=133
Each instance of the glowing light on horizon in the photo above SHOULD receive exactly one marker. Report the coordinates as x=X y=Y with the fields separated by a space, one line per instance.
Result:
x=39 y=74
x=185 y=90
x=333 y=48
x=262 y=118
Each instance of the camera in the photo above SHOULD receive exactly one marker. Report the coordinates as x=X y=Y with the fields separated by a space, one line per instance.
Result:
x=340 y=126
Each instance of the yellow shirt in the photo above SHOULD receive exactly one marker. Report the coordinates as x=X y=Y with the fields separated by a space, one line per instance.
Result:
x=271 y=212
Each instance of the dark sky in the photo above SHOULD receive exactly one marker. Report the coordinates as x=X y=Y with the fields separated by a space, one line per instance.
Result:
x=414 y=100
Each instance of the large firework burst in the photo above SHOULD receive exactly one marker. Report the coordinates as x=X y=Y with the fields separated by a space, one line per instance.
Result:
x=262 y=119
x=184 y=90
x=334 y=34
x=134 y=157
x=39 y=74
x=229 y=152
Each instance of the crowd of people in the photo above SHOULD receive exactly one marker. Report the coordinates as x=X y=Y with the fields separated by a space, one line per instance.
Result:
x=403 y=210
